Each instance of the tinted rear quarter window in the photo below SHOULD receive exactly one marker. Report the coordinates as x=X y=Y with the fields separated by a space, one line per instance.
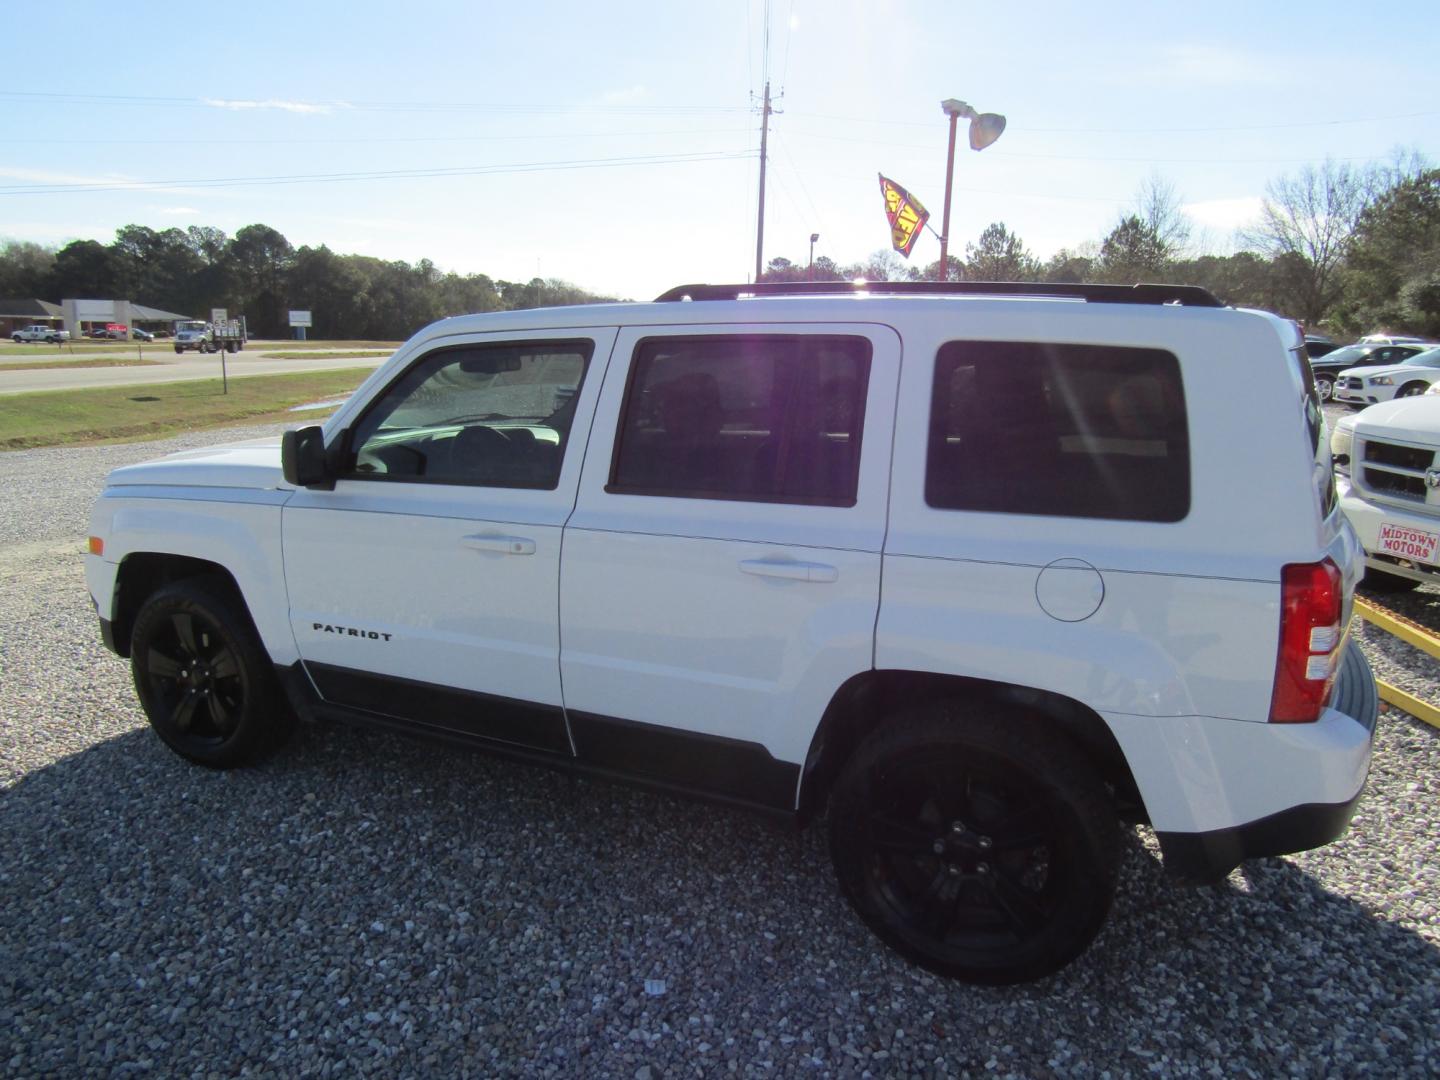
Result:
x=1064 y=430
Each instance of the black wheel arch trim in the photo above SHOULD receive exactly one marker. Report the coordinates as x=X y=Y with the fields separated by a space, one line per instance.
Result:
x=866 y=699
x=139 y=575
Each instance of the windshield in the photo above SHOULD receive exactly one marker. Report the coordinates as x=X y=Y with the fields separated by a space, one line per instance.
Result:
x=193 y=325
x=1349 y=354
x=1428 y=358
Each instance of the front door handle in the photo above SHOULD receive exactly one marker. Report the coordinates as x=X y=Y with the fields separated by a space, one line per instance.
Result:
x=505 y=545
x=794 y=571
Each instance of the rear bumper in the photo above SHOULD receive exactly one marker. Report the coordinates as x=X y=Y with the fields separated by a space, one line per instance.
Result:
x=1201 y=857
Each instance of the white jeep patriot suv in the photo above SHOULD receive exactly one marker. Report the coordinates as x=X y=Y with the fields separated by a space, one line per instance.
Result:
x=974 y=571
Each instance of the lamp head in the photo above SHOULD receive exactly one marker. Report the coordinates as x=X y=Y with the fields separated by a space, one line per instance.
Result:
x=985 y=128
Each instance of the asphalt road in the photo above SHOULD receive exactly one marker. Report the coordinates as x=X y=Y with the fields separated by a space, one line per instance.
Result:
x=169 y=367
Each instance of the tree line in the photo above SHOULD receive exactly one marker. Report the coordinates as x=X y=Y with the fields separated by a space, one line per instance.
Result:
x=259 y=273
x=1346 y=249
x=1343 y=249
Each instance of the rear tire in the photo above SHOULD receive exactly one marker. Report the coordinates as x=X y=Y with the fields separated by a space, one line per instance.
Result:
x=205 y=681
x=1324 y=386
x=979 y=844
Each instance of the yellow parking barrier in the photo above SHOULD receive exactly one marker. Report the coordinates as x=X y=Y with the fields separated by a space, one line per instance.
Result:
x=1412 y=633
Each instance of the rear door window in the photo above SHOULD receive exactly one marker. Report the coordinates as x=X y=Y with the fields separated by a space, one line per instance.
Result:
x=1066 y=430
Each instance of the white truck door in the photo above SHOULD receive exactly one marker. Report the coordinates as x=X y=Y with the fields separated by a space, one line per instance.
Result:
x=424 y=587
x=722 y=566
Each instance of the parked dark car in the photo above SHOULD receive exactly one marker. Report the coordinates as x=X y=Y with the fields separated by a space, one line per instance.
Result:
x=1317 y=345
x=1357 y=355
x=141 y=335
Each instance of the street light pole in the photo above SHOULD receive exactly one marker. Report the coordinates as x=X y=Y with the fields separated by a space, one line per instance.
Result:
x=985 y=128
x=810 y=269
x=949 y=179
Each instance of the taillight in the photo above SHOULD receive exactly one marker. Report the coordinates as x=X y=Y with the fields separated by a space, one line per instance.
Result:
x=1311 y=598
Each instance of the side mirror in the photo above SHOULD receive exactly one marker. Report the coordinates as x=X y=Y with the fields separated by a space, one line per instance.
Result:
x=302 y=459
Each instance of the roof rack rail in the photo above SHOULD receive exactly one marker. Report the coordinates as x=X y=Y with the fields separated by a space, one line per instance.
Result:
x=1187 y=295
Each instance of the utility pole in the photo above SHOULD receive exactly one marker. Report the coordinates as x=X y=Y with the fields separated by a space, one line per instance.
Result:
x=764 y=142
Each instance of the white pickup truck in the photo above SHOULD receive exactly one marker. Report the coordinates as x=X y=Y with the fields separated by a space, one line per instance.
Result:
x=1388 y=461
x=40 y=332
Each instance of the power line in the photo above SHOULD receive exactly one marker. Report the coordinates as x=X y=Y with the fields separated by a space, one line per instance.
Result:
x=1208 y=160
x=818 y=218
x=789 y=33
x=1137 y=131
x=388 y=174
x=765 y=58
x=375 y=141
x=341 y=105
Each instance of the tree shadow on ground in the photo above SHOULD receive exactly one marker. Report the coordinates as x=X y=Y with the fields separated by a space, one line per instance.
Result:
x=369 y=901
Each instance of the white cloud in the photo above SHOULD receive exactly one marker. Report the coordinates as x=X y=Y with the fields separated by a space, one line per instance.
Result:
x=275 y=103
x=1224 y=213
x=57 y=233
x=1204 y=65
x=44 y=176
x=46 y=179
x=628 y=95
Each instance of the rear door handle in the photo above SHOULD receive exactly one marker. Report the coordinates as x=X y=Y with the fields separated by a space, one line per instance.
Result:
x=794 y=571
x=505 y=545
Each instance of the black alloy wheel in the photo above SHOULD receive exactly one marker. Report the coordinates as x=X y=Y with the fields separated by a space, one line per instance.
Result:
x=982 y=847
x=205 y=681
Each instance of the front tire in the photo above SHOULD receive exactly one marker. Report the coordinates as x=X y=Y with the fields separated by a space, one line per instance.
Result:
x=203 y=678
x=980 y=845
x=1414 y=389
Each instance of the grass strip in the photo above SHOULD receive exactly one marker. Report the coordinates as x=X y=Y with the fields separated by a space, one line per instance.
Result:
x=311 y=355
x=131 y=413
x=97 y=361
x=167 y=345
x=317 y=343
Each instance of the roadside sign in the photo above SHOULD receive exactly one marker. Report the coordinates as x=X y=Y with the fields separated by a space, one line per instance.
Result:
x=300 y=318
x=219 y=315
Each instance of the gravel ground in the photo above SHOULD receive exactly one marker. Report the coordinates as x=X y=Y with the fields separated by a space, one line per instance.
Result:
x=364 y=904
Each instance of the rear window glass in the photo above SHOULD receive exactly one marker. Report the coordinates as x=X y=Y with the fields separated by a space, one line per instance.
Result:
x=1065 y=430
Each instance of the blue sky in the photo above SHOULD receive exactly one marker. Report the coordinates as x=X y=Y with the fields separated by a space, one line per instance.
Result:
x=614 y=145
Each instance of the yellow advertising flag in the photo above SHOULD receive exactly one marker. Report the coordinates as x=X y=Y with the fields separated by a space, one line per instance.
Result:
x=907 y=217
